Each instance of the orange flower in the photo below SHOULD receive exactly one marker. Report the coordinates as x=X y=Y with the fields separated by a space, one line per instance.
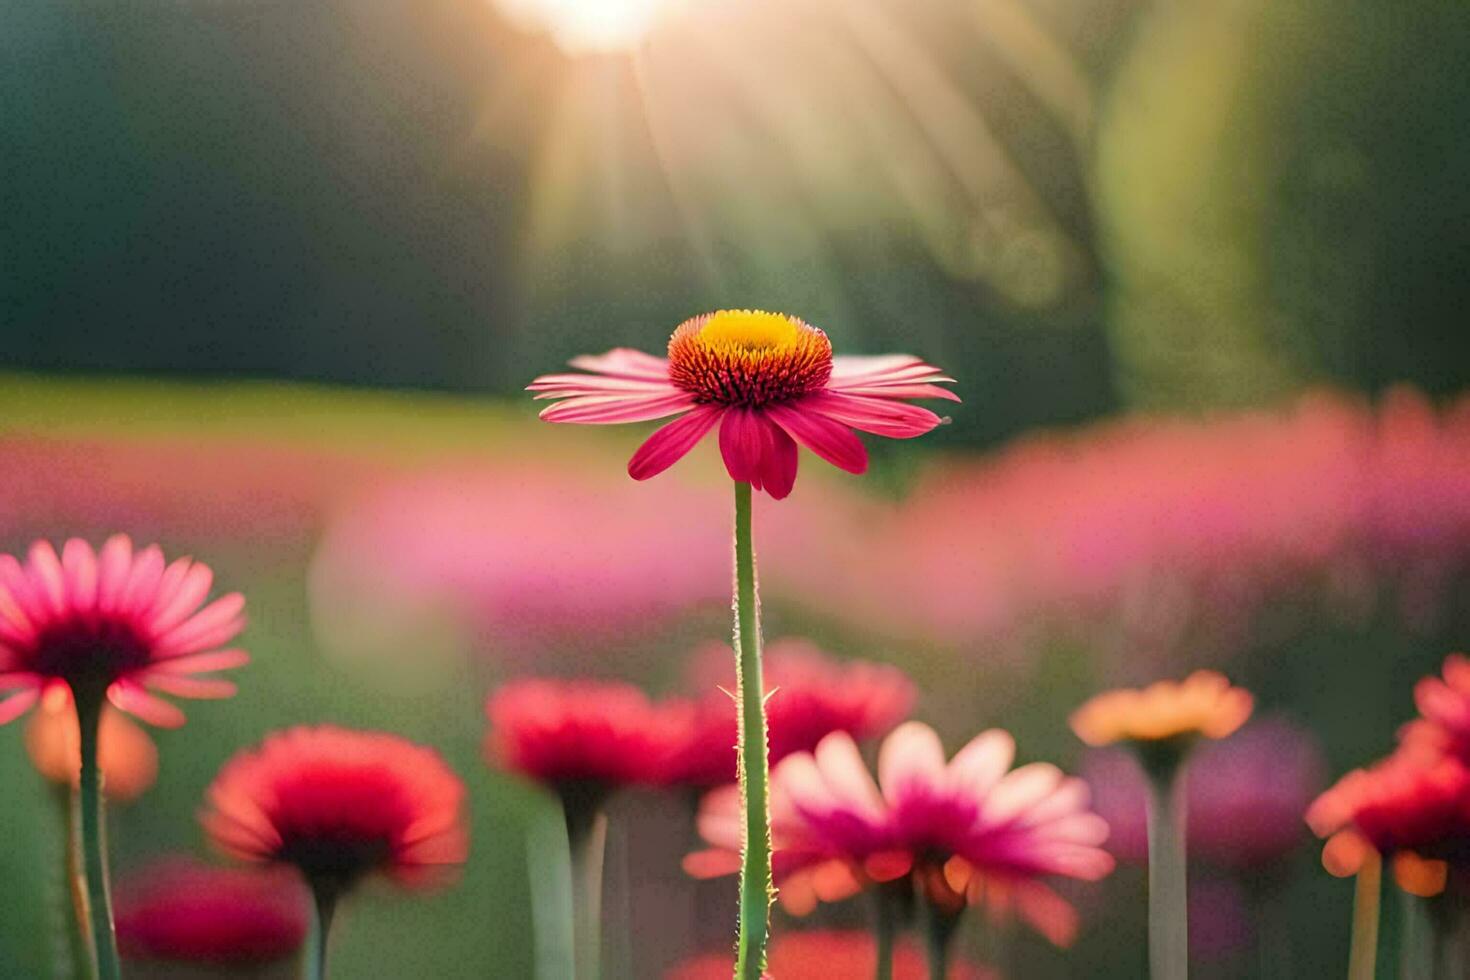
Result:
x=1204 y=704
x=128 y=757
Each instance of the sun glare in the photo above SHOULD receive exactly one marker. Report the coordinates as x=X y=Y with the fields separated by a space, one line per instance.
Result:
x=586 y=26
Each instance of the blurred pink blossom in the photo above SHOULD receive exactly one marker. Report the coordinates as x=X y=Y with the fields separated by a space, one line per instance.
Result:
x=1164 y=535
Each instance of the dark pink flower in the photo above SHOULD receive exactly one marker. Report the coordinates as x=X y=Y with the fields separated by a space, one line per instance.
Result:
x=970 y=830
x=1246 y=795
x=340 y=805
x=116 y=620
x=811 y=695
x=767 y=380
x=187 y=912
x=585 y=733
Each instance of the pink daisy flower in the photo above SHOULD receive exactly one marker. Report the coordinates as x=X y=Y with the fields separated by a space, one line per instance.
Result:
x=118 y=621
x=970 y=831
x=767 y=380
x=824 y=953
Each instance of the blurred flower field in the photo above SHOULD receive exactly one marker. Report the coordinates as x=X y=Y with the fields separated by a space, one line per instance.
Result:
x=405 y=556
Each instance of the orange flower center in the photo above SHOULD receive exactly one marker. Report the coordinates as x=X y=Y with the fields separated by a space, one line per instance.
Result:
x=748 y=357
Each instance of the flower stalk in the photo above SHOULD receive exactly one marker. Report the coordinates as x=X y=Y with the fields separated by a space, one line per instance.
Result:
x=587 y=839
x=324 y=898
x=105 y=965
x=1168 y=919
x=753 y=763
x=1363 y=953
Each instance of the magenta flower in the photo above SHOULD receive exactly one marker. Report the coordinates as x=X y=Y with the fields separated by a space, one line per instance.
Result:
x=118 y=621
x=968 y=831
x=767 y=380
x=185 y=912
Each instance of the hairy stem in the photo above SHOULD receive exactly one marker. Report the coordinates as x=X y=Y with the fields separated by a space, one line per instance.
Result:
x=1363 y=955
x=753 y=763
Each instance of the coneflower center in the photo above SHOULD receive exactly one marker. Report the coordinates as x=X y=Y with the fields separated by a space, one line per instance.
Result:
x=80 y=651
x=748 y=358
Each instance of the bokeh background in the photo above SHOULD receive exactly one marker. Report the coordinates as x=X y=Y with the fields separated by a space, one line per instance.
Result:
x=273 y=274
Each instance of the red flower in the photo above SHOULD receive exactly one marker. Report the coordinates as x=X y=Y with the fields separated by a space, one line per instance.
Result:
x=1411 y=800
x=768 y=381
x=812 y=954
x=340 y=805
x=114 y=621
x=810 y=696
x=188 y=912
x=592 y=735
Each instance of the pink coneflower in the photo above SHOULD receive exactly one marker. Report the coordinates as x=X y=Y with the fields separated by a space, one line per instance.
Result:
x=817 y=953
x=340 y=806
x=110 y=626
x=767 y=380
x=584 y=740
x=584 y=736
x=968 y=831
x=810 y=695
x=185 y=912
x=115 y=621
x=1245 y=796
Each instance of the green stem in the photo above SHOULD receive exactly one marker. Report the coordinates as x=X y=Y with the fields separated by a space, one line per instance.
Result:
x=1363 y=957
x=1451 y=957
x=549 y=865
x=587 y=839
x=753 y=765
x=94 y=841
x=939 y=930
x=325 y=897
x=885 y=929
x=1168 y=918
x=1416 y=948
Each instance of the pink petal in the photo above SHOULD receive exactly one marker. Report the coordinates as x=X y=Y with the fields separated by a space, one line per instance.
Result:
x=624 y=362
x=899 y=391
x=846 y=366
x=113 y=566
x=142 y=585
x=185 y=586
x=911 y=755
x=557 y=385
x=79 y=565
x=745 y=439
x=829 y=439
x=216 y=623
x=131 y=698
x=980 y=764
x=778 y=470
x=897 y=420
x=847 y=775
x=190 y=687
x=610 y=409
x=18 y=704
x=1020 y=789
x=200 y=663
x=1047 y=912
x=669 y=444
x=46 y=574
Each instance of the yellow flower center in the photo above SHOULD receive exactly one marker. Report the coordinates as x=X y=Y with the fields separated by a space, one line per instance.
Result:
x=748 y=357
